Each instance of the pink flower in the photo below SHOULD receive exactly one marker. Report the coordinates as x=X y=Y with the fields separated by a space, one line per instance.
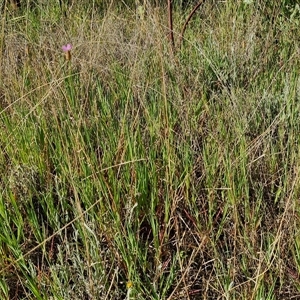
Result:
x=67 y=47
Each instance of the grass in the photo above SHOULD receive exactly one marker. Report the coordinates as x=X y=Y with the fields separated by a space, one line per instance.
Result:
x=132 y=173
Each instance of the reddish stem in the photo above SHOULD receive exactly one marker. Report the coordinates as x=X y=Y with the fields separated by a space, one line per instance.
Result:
x=188 y=20
x=171 y=33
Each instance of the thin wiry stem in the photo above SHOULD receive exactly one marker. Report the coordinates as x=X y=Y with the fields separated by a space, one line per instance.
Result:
x=170 y=17
x=188 y=20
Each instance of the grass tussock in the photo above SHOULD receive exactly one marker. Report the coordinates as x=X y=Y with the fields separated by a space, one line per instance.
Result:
x=134 y=172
